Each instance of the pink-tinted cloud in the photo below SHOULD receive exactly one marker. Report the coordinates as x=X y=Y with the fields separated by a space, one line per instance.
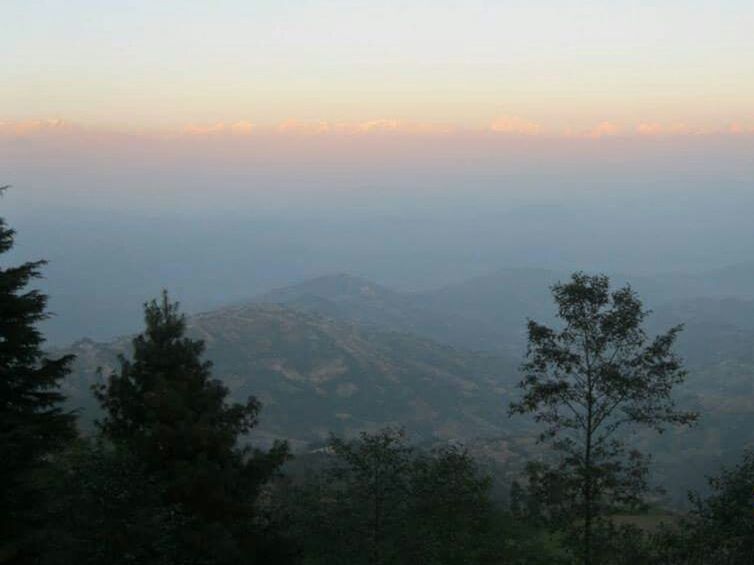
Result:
x=296 y=126
x=655 y=129
x=392 y=125
x=650 y=129
x=424 y=128
x=243 y=127
x=368 y=126
x=602 y=129
x=26 y=127
x=738 y=128
x=193 y=129
x=515 y=125
x=686 y=129
x=382 y=125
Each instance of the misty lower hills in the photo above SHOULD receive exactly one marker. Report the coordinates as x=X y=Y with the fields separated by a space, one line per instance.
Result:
x=482 y=314
x=490 y=312
x=350 y=298
x=343 y=354
x=316 y=375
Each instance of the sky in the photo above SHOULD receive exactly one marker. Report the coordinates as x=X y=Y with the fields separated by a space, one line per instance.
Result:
x=223 y=148
x=547 y=67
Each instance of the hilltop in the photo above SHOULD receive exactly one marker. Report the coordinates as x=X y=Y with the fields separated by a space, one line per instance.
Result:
x=316 y=375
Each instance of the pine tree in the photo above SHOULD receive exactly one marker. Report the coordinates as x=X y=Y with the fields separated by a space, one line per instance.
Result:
x=33 y=423
x=166 y=409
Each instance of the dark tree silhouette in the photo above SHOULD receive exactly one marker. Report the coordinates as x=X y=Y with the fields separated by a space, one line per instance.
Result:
x=166 y=409
x=585 y=381
x=32 y=421
x=725 y=519
x=375 y=475
x=380 y=501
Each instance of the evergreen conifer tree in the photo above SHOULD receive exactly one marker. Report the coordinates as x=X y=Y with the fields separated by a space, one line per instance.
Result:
x=33 y=423
x=165 y=408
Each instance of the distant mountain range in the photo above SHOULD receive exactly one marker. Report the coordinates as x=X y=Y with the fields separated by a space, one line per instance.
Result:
x=346 y=297
x=489 y=313
x=362 y=338
x=343 y=354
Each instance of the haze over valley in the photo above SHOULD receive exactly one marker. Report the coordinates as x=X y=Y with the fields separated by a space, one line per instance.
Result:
x=340 y=282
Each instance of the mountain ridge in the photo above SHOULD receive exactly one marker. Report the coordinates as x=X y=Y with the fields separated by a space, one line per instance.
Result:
x=316 y=375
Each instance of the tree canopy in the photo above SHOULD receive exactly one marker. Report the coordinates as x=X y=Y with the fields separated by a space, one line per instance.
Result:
x=33 y=422
x=587 y=379
x=164 y=408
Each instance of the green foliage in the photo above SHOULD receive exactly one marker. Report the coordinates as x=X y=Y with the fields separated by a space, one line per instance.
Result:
x=720 y=528
x=168 y=482
x=355 y=511
x=164 y=411
x=319 y=375
x=585 y=381
x=32 y=423
x=449 y=507
x=725 y=519
x=379 y=501
x=107 y=509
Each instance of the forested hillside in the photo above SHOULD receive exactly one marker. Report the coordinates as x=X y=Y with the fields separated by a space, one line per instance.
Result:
x=343 y=354
x=315 y=375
